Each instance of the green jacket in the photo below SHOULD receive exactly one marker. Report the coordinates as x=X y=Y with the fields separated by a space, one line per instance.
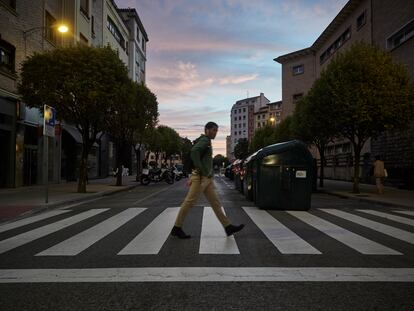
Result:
x=202 y=156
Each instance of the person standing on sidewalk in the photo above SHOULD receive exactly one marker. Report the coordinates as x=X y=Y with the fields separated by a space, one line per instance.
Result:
x=201 y=181
x=379 y=174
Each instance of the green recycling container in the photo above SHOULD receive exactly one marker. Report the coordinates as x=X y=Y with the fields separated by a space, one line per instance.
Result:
x=282 y=176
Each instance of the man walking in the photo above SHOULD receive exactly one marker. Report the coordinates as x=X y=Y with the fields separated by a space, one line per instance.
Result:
x=201 y=181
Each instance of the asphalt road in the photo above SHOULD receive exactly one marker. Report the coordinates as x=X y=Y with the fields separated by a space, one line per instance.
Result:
x=115 y=254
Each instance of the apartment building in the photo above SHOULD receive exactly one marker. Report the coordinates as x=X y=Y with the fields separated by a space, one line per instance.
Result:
x=271 y=114
x=31 y=26
x=387 y=24
x=242 y=119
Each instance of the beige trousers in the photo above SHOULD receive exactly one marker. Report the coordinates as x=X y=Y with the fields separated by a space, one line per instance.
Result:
x=380 y=184
x=201 y=185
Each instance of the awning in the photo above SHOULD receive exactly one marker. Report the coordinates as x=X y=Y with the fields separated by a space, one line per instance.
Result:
x=74 y=132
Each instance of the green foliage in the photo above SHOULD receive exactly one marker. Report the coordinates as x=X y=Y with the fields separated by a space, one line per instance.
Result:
x=82 y=83
x=219 y=159
x=241 y=150
x=170 y=141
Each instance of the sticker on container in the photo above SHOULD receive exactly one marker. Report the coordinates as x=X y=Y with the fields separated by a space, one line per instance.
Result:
x=300 y=174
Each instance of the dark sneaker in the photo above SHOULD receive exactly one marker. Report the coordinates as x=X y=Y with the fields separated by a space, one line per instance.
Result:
x=230 y=229
x=178 y=232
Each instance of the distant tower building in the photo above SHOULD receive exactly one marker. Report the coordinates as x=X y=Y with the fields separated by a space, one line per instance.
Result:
x=228 y=147
x=242 y=119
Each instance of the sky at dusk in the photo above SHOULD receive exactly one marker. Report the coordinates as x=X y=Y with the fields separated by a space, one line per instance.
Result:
x=204 y=55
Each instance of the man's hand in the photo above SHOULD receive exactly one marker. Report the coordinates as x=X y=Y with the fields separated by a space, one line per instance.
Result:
x=189 y=182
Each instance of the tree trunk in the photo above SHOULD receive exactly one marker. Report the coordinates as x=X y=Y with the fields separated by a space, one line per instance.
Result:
x=357 y=155
x=138 y=156
x=83 y=169
x=322 y=171
x=119 y=162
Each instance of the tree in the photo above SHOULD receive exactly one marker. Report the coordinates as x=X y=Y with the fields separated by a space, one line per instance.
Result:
x=121 y=124
x=145 y=111
x=283 y=131
x=241 y=150
x=81 y=83
x=262 y=138
x=314 y=120
x=219 y=159
x=371 y=93
x=170 y=141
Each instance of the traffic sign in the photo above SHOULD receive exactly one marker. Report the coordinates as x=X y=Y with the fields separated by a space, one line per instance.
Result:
x=49 y=121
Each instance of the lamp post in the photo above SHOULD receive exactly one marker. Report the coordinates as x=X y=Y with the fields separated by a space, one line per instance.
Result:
x=272 y=121
x=62 y=28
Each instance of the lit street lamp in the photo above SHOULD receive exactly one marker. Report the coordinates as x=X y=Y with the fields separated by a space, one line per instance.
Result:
x=272 y=120
x=62 y=28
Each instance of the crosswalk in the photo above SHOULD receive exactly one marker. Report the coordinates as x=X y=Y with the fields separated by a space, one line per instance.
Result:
x=287 y=239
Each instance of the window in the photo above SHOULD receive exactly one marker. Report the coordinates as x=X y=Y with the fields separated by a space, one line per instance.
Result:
x=239 y=118
x=263 y=116
x=298 y=70
x=138 y=35
x=258 y=117
x=115 y=32
x=50 y=32
x=239 y=110
x=297 y=97
x=263 y=123
x=235 y=133
x=93 y=25
x=244 y=124
x=258 y=124
x=401 y=35
x=244 y=109
x=244 y=117
x=84 y=7
x=126 y=47
x=239 y=132
x=235 y=141
x=7 y=56
x=82 y=39
x=336 y=45
x=361 y=20
x=235 y=118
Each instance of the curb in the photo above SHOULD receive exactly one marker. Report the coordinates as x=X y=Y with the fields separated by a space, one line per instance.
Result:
x=64 y=203
x=365 y=200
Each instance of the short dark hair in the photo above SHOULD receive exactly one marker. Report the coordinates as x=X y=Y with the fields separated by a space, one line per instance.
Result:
x=210 y=125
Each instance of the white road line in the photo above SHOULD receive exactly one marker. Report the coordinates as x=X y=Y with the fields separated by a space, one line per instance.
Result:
x=213 y=238
x=403 y=220
x=344 y=236
x=35 y=234
x=409 y=213
x=153 y=237
x=30 y=220
x=87 y=238
x=285 y=240
x=384 y=229
x=208 y=274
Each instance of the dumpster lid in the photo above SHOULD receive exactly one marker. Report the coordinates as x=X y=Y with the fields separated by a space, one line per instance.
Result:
x=280 y=148
x=252 y=156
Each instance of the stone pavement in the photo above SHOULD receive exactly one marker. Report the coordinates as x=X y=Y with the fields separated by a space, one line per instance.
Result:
x=391 y=197
x=23 y=200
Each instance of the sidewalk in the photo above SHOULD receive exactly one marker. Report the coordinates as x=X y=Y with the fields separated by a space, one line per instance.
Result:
x=23 y=200
x=391 y=197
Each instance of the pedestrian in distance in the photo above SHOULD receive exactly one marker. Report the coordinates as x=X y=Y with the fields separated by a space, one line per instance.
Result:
x=201 y=181
x=379 y=173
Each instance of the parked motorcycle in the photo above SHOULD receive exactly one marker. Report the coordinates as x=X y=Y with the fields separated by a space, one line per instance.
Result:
x=156 y=175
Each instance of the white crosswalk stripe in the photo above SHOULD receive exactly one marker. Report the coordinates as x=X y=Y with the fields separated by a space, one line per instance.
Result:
x=153 y=237
x=30 y=220
x=399 y=219
x=352 y=240
x=29 y=236
x=285 y=240
x=85 y=239
x=213 y=238
x=384 y=229
x=409 y=213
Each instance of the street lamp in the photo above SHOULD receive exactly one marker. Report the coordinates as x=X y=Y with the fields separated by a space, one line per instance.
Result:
x=272 y=120
x=62 y=28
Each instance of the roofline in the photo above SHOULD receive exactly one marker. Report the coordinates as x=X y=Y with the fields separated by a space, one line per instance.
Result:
x=323 y=37
x=137 y=19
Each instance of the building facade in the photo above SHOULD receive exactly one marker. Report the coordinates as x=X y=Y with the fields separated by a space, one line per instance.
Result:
x=271 y=114
x=389 y=25
x=31 y=26
x=242 y=119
